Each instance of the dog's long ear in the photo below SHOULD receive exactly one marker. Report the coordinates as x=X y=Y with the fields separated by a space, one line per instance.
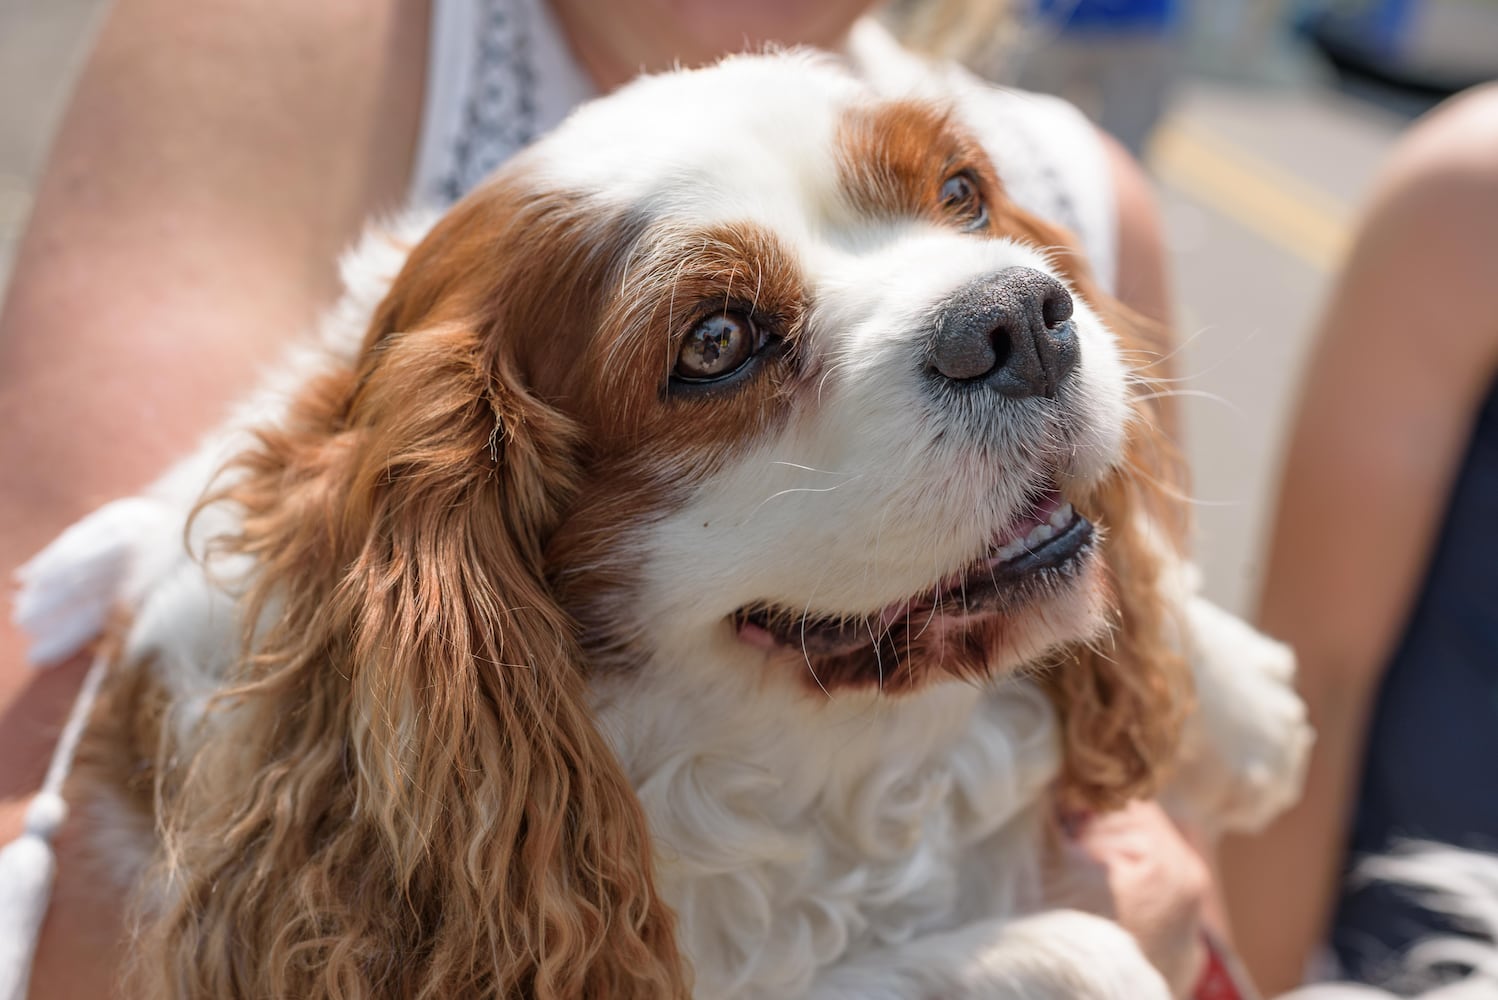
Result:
x=405 y=795
x=1122 y=699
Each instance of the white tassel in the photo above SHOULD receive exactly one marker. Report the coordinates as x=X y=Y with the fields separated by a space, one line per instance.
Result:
x=27 y=867
x=28 y=864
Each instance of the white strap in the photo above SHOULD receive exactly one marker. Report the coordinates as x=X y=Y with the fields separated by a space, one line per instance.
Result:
x=28 y=864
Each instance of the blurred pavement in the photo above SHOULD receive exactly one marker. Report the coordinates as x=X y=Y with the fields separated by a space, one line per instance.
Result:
x=1258 y=184
x=1259 y=189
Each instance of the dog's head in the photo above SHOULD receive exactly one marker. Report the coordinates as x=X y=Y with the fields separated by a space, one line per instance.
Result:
x=744 y=376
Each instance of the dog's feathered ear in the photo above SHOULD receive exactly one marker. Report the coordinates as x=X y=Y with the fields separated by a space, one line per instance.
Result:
x=1123 y=698
x=406 y=794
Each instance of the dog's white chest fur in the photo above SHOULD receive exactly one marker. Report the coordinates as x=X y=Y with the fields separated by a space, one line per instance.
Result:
x=777 y=869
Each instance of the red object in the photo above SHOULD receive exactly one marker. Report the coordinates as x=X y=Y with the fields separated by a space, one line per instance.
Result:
x=1222 y=978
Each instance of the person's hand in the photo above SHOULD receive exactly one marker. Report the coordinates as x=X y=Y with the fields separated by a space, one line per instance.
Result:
x=1135 y=867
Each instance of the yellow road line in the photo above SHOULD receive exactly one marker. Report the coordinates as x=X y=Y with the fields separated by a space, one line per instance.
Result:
x=1259 y=196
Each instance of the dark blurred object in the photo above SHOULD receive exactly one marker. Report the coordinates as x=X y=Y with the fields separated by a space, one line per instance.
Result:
x=1435 y=46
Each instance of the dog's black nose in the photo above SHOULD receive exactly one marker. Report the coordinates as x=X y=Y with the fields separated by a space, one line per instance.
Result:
x=1011 y=330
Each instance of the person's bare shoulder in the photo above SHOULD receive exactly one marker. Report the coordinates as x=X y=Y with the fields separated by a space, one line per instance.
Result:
x=200 y=126
x=215 y=159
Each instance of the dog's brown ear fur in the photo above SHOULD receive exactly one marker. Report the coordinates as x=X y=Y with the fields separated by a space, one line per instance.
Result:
x=404 y=794
x=1122 y=699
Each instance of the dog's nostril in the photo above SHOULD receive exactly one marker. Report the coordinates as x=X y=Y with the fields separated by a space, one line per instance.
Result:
x=1003 y=344
x=1056 y=307
x=962 y=351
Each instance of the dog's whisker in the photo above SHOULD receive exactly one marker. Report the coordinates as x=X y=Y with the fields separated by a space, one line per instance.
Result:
x=1192 y=394
x=1181 y=345
x=1172 y=492
x=795 y=489
x=808 y=468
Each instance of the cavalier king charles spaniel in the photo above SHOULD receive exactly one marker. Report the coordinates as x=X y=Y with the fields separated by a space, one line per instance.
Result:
x=707 y=567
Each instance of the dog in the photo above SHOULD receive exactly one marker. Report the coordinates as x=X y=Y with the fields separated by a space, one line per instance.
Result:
x=702 y=562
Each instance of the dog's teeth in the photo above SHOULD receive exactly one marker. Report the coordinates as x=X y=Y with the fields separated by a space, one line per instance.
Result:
x=1062 y=517
x=1012 y=549
x=1039 y=534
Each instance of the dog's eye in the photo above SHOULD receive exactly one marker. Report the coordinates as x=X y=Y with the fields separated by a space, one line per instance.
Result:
x=717 y=346
x=961 y=199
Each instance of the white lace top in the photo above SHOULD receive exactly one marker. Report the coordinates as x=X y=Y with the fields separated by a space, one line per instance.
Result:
x=501 y=74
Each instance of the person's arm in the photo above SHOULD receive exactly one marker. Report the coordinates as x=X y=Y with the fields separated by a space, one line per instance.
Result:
x=1405 y=353
x=1142 y=281
x=215 y=159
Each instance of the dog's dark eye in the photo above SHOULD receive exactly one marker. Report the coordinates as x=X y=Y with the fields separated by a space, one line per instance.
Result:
x=717 y=346
x=961 y=199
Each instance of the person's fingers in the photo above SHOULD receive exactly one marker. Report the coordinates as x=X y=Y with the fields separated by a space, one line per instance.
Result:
x=1078 y=879
x=1136 y=867
x=1142 y=836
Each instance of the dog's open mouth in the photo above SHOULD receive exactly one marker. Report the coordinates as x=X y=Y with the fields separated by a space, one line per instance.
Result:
x=1038 y=554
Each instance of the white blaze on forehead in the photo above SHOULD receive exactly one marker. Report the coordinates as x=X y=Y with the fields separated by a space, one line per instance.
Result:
x=748 y=137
